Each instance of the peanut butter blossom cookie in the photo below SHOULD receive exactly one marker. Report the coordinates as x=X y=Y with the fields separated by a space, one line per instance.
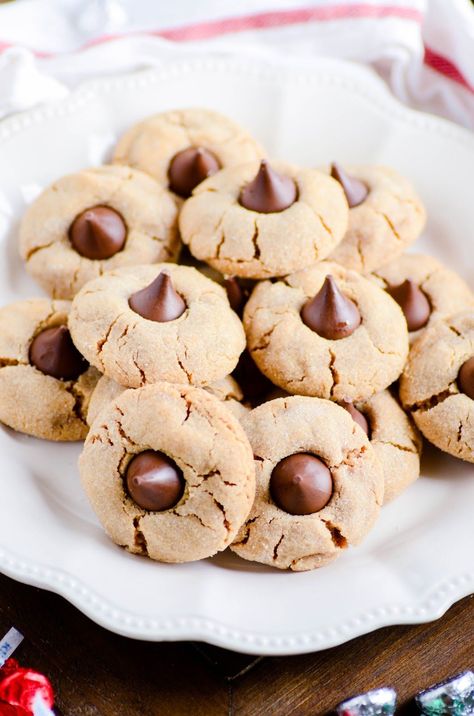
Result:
x=169 y=472
x=395 y=440
x=424 y=289
x=323 y=332
x=94 y=221
x=437 y=385
x=319 y=484
x=259 y=221
x=144 y=324
x=183 y=147
x=227 y=390
x=45 y=383
x=385 y=216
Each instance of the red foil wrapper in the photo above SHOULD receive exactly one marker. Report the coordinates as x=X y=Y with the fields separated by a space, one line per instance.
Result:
x=19 y=688
x=7 y=710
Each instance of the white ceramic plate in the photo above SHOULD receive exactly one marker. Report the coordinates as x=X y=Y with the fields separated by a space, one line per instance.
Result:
x=419 y=558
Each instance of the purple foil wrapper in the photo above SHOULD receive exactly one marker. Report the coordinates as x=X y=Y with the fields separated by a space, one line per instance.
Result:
x=378 y=702
x=453 y=697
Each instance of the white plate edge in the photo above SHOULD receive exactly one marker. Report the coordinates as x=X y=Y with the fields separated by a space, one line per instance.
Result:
x=194 y=628
x=361 y=80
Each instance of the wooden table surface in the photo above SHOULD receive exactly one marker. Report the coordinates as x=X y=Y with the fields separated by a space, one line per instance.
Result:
x=96 y=673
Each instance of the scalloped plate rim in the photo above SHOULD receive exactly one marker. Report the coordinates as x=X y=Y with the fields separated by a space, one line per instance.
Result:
x=190 y=627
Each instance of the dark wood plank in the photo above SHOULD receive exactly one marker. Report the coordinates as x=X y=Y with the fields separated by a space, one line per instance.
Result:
x=409 y=658
x=228 y=664
x=96 y=673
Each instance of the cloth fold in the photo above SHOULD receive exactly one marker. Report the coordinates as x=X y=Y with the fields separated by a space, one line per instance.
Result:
x=424 y=49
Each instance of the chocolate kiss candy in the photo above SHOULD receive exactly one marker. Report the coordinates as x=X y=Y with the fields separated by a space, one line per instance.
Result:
x=53 y=353
x=154 y=481
x=356 y=415
x=301 y=484
x=235 y=294
x=158 y=301
x=330 y=314
x=354 y=189
x=466 y=378
x=413 y=303
x=189 y=168
x=98 y=233
x=269 y=191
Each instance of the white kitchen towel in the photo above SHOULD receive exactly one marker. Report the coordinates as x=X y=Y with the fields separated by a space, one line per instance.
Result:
x=424 y=49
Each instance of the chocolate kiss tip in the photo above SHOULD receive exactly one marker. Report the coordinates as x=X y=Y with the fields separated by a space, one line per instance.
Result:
x=158 y=301
x=98 y=233
x=301 y=484
x=269 y=191
x=189 y=168
x=413 y=303
x=354 y=189
x=466 y=378
x=154 y=481
x=356 y=415
x=204 y=162
x=330 y=314
x=53 y=353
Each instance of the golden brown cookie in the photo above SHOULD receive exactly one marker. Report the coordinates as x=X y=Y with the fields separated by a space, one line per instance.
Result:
x=395 y=440
x=183 y=147
x=383 y=222
x=226 y=390
x=169 y=472
x=319 y=484
x=437 y=385
x=94 y=221
x=262 y=221
x=425 y=290
x=45 y=384
x=146 y=324
x=323 y=332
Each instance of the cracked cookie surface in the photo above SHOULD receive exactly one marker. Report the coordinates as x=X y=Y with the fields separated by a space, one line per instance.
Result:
x=429 y=387
x=227 y=390
x=445 y=290
x=240 y=242
x=201 y=346
x=300 y=361
x=380 y=228
x=149 y=212
x=150 y=145
x=395 y=440
x=207 y=443
x=30 y=401
x=292 y=425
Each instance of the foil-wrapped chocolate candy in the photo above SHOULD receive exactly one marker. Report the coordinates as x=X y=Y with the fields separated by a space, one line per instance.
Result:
x=378 y=702
x=453 y=697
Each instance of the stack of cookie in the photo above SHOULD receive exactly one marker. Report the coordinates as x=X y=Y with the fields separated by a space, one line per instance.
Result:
x=245 y=396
